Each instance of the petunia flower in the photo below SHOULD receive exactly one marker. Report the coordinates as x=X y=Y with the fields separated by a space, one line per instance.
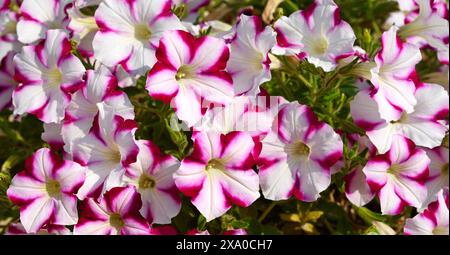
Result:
x=317 y=33
x=106 y=150
x=430 y=25
x=219 y=173
x=116 y=213
x=433 y=221
x=152 y=176
x=297 y=155
x=48 y=73
x=99 y=91
x=192 y=8
x=135 y=28
x=422 y=125
x=45 y=191
x=249 y=62
x=7 y=82
x=8 y=33
x=39 y=16
x=439 y=177
x=190 y=70
x=52 y=135
x=397 y=176
x=18 y=229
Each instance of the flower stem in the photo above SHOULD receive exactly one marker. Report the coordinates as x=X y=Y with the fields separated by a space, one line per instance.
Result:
x=267 y=211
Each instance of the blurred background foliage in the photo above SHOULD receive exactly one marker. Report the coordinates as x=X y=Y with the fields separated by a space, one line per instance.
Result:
x=328 y=94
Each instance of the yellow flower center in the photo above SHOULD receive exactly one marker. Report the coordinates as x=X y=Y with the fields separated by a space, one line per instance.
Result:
x=320 y=46
x=146 y=182
x=298 y=148
x=445 y=169
x=215 y=164
x=116 y=221
x=142 y=32
x=53 y=188
x=184 y=72
x=54 y=77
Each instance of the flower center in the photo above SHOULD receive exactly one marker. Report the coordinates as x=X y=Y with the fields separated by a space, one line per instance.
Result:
x=116 y=221
x=114 y=155
x=146 y=182
x=440 y=230
x=54 y=77
x=184 y=72
x=445 y=169
x=54 y=25
x=215 y=164
x=403 y=119
x=53 y=188
x=320 y=46
x=10 y=28
x=395 y=169
x=142 y=32
x=298 y=148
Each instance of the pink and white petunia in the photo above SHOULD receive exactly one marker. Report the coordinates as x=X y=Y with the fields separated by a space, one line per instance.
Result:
x=192 y=8
x=219 y=173
x=297 y=155
x=48 y=73
x=106 y=150
x=249 y=62
x=430 y=25
x=433 y=221
x=439 y=168
x=39 y=16
x=18 y=229
x=190 y=70
x=152 y=175
x=8 y=33
x=83 y=29
x=52 y=135
x=391 y=77
x=86 y=3
x=99 y=92
x=45 y=191
x=7 y=82
x=116 y=213
x=423 y=125
x=135 y=28
x=4 y=5
x=398 y=176
x=317 y=33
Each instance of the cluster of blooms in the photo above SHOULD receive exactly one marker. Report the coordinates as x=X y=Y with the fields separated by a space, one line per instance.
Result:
x=110 y=183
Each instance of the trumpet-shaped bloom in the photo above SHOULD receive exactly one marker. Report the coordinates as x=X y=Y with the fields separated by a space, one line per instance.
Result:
x=8 y=33
x=397 y=176
x=439 y=168
x=116 y=213
x=297 y=155
x=316 y=33
x=132 y=30
x=422 y=126
x=190 y=70
x=433 y=221
x=48 y=73
x=152 y=175
x=45 y=191
x=430 y=25
x=7 y=82
x=105 y=151
x=193 y=6
x=52 y=135
x=99 y=91
x=249 y=62
x=395 y=64
x=219 y=173
x=39 y=16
